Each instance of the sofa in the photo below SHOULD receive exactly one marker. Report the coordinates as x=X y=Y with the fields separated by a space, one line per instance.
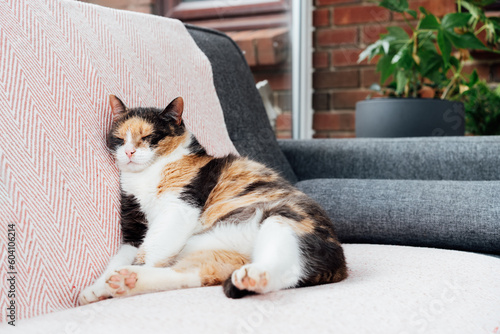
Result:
x=419 y=219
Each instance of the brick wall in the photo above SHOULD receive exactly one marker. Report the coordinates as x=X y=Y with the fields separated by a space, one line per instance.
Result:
x=343 y=28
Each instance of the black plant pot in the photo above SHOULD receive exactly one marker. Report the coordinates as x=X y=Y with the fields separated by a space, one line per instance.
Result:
x=409 y=117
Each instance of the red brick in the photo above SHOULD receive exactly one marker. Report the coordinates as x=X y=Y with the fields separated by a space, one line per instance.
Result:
x=483 y=70
x=334 y=121
x=334 y=36
x=334 y=2
x=337 y=79
x=349 y=57
x=272 y=45
x=321 y=101
x=278 y=81
x=321 y=17
x=145 y=9
x=245 y=42
x=436 y=7
x=348 y=99
x=321 y=59
x=284 y=135
x=371 y=33
x=360 y=14
x=284 y=122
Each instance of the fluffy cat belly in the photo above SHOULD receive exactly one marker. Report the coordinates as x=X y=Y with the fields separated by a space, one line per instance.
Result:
x=231 y=236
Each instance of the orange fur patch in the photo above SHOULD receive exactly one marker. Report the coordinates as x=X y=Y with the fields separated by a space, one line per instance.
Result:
x=138 y=128
x=168 y=144
x=178 y=174
x=140 y=258
x=215 y=265
x=232 y=182
x=305 y=226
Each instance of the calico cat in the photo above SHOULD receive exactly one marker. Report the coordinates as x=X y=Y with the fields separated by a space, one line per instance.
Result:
x=189 y=219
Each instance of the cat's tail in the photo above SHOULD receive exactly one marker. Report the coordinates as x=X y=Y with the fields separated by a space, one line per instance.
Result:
x=233 y=292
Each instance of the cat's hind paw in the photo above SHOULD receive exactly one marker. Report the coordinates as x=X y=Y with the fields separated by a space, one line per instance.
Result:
x=93 y=293
x=122 y=282
x=251 y=278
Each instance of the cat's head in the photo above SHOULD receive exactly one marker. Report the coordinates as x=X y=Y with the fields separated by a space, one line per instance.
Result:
x=140 y=135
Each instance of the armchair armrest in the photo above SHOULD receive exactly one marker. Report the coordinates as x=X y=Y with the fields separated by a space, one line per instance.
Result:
x=424 y=158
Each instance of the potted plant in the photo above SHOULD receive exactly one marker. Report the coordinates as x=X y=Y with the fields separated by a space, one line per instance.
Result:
x=482 y=109
x=426 y=65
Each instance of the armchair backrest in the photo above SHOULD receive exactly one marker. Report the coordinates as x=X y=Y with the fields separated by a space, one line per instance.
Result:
x=244 y=112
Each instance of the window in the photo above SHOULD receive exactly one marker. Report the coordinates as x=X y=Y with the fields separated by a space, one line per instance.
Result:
x=228 y=15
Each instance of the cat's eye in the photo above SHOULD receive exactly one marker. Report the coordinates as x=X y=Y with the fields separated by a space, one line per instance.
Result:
x=146 y=137
x=118 y=140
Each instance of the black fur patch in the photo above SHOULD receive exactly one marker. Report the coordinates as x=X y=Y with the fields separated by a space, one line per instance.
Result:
x=133 y=221
x=196 y=193
x=233 y=292
x=264 y=186
x=196 y=148
x=324 y=259
x=283 y=211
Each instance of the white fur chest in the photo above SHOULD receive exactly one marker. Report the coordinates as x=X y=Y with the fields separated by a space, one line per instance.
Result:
x=143 y=185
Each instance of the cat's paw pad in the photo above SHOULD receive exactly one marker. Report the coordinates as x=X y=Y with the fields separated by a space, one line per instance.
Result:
x=93 y=293
x=250 y=278
x=121 y=282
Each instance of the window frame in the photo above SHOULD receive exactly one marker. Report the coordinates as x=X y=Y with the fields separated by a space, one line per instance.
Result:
x=227 y=15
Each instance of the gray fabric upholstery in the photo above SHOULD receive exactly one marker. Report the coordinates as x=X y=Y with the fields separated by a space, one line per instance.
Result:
x=426 y=158
x=244 y=112
x=462 y=215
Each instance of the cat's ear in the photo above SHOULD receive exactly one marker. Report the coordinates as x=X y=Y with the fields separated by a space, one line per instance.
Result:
x=175 y=108
x=117 y=106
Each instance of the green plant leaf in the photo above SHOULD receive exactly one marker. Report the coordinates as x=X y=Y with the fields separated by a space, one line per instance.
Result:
x=401 y=81
x=474 y=10
x=497 y=90
x=395 y=5
x=430 y=61
x=466 y=41
x=379 y=47
x=412 y=13
x=429 y=22
x=473 y=79
x=454 y=20
x=495 y=21
x=398 y=33
x=454 y=62
x=385 y=68
x=423 y=10
x=444 y=45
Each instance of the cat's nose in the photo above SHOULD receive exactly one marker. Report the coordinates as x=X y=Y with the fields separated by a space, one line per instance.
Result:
x=129 y=153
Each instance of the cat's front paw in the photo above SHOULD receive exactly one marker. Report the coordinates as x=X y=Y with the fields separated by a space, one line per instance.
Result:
x=122 y=282
x=251 y=278
x=93 y=293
